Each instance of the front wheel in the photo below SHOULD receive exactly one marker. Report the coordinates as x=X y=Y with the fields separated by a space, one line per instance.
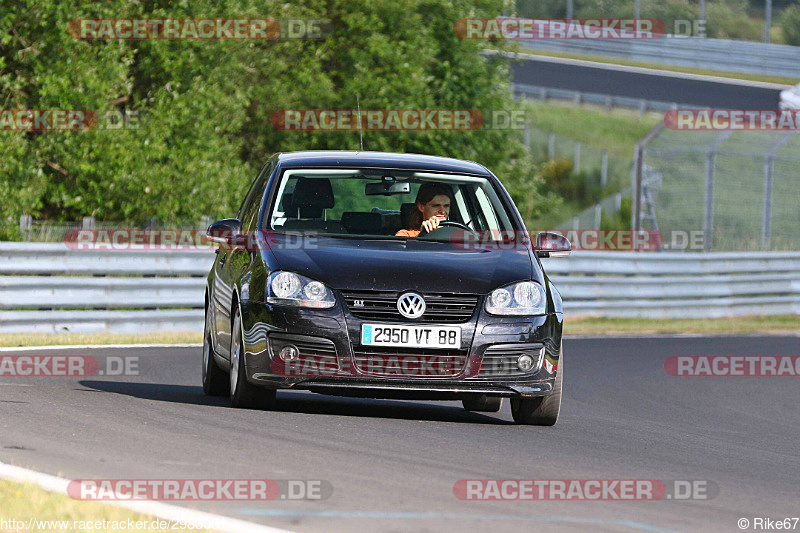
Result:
x=243 y=393
x=542 y=411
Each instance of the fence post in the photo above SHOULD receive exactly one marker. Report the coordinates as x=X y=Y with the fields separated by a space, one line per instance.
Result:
x=636 y=174
x=526 y=136
x=577 y=159
x=551 y=146
x=708 y=202
x=88 y=223
x=766 y=216
x=598 y=216
x=636 y=186
x=25 y=225
x=603 y=168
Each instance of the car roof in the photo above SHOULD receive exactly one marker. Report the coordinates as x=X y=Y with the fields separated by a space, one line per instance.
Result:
x=332 y=158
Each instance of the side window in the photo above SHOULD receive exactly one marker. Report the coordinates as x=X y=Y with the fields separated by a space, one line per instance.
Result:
x=252 y=202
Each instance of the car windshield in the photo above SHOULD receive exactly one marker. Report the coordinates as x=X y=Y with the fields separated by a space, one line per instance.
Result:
x=377 y=203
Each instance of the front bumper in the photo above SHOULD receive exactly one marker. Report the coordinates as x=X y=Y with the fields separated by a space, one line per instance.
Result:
x=334 y=335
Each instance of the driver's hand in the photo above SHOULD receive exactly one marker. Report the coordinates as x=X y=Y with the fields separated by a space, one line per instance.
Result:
x=431 y=224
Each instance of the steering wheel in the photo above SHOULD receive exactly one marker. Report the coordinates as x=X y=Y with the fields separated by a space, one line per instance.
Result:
x=445 y=223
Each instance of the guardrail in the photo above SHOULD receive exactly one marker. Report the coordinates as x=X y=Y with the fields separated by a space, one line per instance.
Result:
x=678 y=285
x=534 y=92
x=715 y=54
x=45 y=287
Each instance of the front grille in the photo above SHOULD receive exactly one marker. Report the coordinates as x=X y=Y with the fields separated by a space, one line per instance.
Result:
x=439 y=307
x=409 y=362
x=501 y=359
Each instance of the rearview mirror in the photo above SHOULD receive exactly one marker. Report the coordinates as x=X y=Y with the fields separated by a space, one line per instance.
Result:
x=387 y=189
x=224 y=231
x=552 y=245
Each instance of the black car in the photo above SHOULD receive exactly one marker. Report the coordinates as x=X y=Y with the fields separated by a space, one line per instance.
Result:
x=383 y=275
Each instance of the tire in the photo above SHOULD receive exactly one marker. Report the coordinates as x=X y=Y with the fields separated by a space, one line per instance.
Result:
x=482 y=403
x=245 y=395
x=215 y=380
x=542 y=411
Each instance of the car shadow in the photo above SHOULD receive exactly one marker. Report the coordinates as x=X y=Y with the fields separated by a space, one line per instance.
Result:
x=304 y=403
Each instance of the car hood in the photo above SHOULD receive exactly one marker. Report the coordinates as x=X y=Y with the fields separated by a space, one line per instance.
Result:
x=395 y=265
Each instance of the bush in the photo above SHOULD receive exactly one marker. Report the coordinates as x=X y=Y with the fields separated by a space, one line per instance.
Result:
x=790 y=24
x=582 y=188
x=729 y=19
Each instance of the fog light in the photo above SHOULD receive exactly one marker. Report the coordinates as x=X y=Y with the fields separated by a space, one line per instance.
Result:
x=289 y=353
x=525 y=362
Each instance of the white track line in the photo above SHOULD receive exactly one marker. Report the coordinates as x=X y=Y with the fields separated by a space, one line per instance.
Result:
x=95 y=346
x=161 y=510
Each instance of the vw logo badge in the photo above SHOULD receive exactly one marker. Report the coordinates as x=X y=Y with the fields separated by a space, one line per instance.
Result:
x=411 y=305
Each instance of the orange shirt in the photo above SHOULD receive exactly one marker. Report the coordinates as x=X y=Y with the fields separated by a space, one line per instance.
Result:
x=407 y=233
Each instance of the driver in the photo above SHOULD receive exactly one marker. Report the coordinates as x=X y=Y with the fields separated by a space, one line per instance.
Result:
x=433 y=205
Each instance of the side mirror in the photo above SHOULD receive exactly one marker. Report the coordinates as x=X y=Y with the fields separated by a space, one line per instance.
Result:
x=224 y=232
x=552 y=245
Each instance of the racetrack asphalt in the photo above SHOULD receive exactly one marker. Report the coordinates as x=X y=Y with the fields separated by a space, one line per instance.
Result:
x=719 y=93
x=393 y=464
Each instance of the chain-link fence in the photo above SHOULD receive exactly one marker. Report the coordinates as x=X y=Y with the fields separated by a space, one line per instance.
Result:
x=739 y=190
x=605 y=176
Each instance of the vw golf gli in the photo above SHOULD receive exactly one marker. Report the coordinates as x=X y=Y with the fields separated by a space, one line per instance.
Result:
x=383 y=275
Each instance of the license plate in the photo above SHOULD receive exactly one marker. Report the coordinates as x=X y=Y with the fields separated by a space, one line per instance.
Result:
x=411 y=336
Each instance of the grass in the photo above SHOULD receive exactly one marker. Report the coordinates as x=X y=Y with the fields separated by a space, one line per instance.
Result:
x=781 y=80
x=616 y=131
x=62 y=339
x=28 y=501
x=765 y=325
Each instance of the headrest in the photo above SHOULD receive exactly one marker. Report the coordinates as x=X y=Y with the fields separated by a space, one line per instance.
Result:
x=307 y=212
x=286 y=202
x=313 y=192
x=366 y=223
x=405 y=213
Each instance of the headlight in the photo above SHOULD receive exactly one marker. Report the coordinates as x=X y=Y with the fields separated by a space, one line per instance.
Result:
x=288 y=288
x=523 y=298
